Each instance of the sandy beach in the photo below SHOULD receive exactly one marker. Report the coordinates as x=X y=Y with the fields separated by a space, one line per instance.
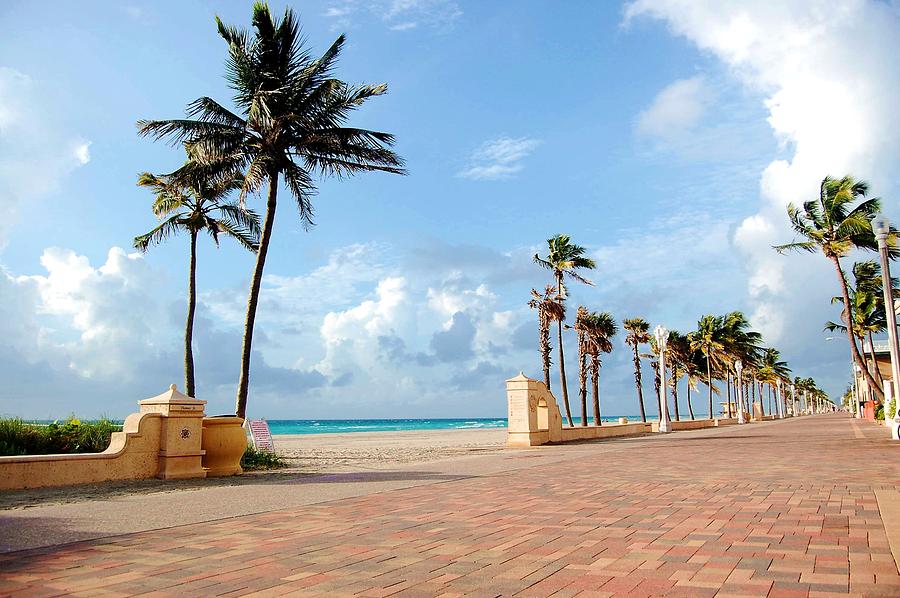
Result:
x=318 y=453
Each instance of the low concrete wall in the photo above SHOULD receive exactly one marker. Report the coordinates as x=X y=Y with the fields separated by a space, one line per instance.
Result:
x=534 y=418
x=604 y=431
x=727 y=421
x=163 y=440
x=689 y=424
x=133 y=454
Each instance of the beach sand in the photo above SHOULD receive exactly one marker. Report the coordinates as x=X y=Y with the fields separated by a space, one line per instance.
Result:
x=306 y=454
x=378 y=450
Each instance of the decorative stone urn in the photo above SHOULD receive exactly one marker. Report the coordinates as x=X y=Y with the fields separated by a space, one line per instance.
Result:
x=224 y=441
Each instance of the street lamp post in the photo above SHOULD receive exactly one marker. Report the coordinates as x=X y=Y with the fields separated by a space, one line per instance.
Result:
x=856 y=372
x=739 y=368
x=793 y=401
x=662 y=339
x=779 y=399
x=882 y=230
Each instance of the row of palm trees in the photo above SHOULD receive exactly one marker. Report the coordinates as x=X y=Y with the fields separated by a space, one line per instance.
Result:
x=288 y=126
x=706 y=354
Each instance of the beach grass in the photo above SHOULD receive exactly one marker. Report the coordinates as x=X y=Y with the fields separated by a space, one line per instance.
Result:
x=255 y=459
x=18 y=437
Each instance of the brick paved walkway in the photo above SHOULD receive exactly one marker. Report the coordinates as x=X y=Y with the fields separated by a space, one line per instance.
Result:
x=785 y=508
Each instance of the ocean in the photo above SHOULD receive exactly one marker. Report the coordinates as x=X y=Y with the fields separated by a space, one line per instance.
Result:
x=342 y=426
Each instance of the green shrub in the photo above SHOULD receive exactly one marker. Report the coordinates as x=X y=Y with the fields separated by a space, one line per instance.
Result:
x=879 y=413
x=254 y=459
x=71 y=436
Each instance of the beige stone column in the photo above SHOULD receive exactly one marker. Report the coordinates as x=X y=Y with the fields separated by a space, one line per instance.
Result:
x=182 y=422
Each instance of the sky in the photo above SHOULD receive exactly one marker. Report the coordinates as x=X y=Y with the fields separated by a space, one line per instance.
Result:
x=665 y=136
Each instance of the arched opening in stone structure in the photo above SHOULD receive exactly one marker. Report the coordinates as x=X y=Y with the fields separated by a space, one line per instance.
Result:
x=543 y=415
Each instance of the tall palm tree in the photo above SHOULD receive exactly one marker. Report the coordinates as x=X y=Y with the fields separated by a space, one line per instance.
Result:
x=581 y=326
x=600 y=330
x=194 y=202
x=549 y=309
x=772 y=369
x=708 y=340
x=866 y=309
x=289 y=124
x=836 y=223
x=638 y=334
x=654 y=358
x=739 y=342
x=564 y=259
x=679 y=353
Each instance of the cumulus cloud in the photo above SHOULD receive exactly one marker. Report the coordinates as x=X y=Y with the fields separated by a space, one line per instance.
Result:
x=37 y=152
x=676 y=109
x=499 y=158
x=830 y=88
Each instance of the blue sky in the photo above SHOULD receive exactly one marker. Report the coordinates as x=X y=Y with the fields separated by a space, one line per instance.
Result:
x=665 y=137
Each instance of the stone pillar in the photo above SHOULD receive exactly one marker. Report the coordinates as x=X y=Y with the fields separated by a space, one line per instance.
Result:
x=757 y=411
x=180 y=454
x=532 y=412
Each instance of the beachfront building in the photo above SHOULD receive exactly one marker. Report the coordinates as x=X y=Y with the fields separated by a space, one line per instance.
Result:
x=866 y=397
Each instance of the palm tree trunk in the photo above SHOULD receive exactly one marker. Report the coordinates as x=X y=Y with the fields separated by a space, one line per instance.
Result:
x=851 y=335
x=878 y=375
x=762 y=405
x=656 y=386
x=637 y=382
x=690 y=407
x=253 y=297
x=582 y=383
x=728 y=386
x=545 y=348
x=675 y=396
x=595 y=390
x=562 y=374
x=189 y=325
x=709 y=386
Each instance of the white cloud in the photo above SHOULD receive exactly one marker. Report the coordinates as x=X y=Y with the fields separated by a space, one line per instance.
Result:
x=338 y=11
x=83 y=153
x=35 y=154
x=830 y=85
x=437 y=13
x=499 y=159
x=676 y=109
x=397 y=15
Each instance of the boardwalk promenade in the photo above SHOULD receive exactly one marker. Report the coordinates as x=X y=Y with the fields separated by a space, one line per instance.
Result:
x=783 y=508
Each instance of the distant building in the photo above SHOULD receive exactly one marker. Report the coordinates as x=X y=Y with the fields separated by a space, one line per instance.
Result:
x=866 y=395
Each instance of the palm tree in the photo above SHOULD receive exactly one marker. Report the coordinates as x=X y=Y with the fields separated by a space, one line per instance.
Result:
x=866 y=309
x=772 y=369
x=654 y=358
x=290 y=124
x=600 y=330
x=679 y=353
x=638 y=334
x=581 y=325
x=194 y=202
x=708 y=340
x=549 y=308
x=836 y=224
x=564 y=258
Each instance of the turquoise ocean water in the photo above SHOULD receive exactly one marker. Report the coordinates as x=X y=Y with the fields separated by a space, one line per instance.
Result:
x=342 y=426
